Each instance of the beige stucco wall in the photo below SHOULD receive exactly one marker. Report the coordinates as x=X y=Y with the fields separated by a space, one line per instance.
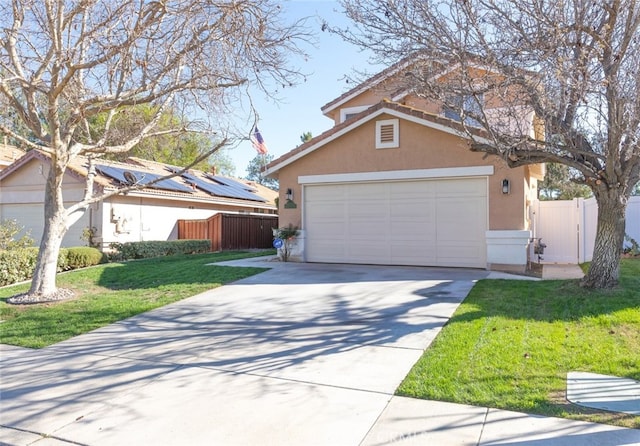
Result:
x=22 y=199
x=420 y=148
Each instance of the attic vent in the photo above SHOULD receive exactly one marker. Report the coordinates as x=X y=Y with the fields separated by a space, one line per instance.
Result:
x=387 y=134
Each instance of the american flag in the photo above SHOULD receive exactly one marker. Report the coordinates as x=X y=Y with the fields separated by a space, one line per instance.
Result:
x=258 y=142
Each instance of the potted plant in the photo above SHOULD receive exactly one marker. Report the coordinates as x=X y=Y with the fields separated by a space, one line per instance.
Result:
x=283 y=240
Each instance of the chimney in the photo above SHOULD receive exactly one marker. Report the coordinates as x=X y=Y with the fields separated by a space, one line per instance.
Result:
x=213 y=170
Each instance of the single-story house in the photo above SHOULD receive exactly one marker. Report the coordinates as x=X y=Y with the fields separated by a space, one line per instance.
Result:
x=394 y=182
x=147 y=214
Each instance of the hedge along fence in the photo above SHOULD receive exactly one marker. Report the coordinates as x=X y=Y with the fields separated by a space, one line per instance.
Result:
x=17 y=265
x=143 y=250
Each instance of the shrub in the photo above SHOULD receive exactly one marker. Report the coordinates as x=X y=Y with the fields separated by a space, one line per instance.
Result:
x=83 y=256
x=9 y=229
x=143 y=250
x=17 y=265
x=287 y=235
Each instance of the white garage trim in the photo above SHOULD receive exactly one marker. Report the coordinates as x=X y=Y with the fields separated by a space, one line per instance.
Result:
x=394 y=175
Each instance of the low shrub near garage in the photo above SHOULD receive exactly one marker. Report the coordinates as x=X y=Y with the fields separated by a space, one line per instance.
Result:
x=156 y=248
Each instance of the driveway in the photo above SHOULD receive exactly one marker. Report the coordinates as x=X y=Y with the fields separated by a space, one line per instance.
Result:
x=300 y=354
x=303 y=354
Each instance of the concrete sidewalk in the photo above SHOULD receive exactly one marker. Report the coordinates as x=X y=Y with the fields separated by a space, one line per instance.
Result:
x=299 y=355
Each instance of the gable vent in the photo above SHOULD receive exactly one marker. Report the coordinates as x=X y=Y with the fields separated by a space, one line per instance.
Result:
x=387 y=134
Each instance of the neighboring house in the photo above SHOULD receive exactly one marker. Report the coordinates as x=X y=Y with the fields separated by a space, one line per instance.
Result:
x=394 y=182
x=8 y=154
x=148 y=214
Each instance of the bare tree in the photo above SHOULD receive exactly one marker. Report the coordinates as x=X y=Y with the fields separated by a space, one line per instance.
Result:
x=63 y=62
x=569 y=66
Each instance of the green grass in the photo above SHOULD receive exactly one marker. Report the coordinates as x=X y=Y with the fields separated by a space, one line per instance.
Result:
x=511 y=343
x=112 y=292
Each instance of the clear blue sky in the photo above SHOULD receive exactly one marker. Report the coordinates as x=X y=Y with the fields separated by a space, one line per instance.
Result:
x=281 y=124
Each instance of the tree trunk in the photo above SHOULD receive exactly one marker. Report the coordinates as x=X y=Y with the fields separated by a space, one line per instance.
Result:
x=604 y=270
x=43 y=284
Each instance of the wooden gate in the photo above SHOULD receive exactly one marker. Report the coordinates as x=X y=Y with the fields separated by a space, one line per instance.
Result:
x=229 y=232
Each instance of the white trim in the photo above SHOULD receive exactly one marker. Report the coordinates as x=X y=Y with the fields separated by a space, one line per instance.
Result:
x=352 y=111
x=393 y=175
x=358 y=123
x=395 y=142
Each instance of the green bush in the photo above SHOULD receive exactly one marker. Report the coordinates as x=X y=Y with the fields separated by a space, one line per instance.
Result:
x=156 y=248
x=17 y=265
x=9 y=230
x=83 y=256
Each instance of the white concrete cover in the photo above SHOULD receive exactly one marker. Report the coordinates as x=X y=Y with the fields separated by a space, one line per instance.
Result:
x=604 y=392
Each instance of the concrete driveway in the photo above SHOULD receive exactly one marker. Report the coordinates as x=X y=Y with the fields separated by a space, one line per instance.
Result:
x=302 y=354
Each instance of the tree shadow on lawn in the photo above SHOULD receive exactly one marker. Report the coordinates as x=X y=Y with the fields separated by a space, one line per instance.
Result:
x=145 y=275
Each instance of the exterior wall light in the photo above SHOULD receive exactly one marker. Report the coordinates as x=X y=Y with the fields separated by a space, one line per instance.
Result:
x=506 y=186
x=289 y=194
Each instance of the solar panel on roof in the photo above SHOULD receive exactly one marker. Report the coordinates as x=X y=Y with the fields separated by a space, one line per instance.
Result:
x=233 y=183
x=124 y=176
x=221 y=190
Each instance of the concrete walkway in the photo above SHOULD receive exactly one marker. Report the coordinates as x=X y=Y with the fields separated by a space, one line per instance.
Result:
x=299 y=355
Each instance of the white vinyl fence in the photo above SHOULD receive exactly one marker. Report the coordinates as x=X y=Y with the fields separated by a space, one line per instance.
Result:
x=568 y=228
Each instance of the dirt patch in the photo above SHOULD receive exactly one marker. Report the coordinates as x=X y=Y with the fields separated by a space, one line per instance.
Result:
x=534 y=270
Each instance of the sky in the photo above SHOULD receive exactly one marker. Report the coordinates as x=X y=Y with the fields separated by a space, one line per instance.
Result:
x=298 y=110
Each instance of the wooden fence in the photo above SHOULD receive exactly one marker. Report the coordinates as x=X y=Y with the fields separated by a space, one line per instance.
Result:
x=231 y=231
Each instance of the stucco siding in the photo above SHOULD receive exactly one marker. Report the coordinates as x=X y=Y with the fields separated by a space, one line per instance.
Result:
x=420 y=148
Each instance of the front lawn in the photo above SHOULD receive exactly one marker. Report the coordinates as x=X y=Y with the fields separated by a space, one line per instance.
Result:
x=510 y=345
x=112 y=292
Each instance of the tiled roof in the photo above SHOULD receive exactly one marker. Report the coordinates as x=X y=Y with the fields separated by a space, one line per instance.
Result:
x=78 y=168
x=369 y=83
x=8 y=154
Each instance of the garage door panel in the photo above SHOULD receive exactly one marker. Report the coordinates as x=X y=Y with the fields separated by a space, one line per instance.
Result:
x=367 y=191
x=327 y=193
x=460 y=255
x=412 y=189
x=411 y=253
x=463 y=217
x=422 y=222
x=469 y=187
x=369 y=253
x=327 y=250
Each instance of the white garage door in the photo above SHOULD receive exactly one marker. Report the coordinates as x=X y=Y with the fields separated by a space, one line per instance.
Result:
x=422 y=222
x=31 y=217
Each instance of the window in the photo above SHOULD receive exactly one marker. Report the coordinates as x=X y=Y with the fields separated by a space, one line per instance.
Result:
x=350 y=112
x=471 y=104
x=387 y=134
